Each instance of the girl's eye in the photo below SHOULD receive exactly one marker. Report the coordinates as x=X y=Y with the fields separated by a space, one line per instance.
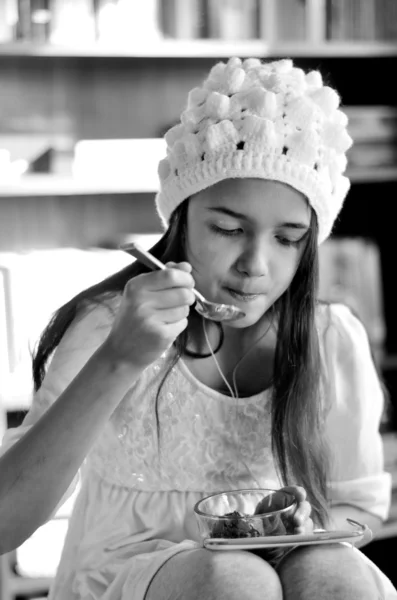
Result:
x=226 y=232
x=288 y=243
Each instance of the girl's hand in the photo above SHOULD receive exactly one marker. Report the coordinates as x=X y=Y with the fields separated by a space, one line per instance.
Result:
x=302 y=521
x=152 y=313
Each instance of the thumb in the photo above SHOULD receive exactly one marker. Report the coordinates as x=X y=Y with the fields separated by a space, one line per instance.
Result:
x=182 y=266
x=297 y=491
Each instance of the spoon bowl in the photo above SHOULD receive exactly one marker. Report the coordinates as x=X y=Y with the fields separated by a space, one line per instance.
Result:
x=207 y=309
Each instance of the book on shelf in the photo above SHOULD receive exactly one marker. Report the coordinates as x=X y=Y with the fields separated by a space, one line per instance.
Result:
x=215 y=19
x=127 y=22
x=361 y=20
x=33 y=20
x=386 y=20
x=69 y=16
x=350 y=273
x=290 y=21
x=374 y=132
x=367 y=155
x=372 y=123
x=182 y=19
x=8 y=20
x=350 y=20
x=105 y=19
x=233 y=19
x=81 y=22
x=40 y=16
x=24 y=22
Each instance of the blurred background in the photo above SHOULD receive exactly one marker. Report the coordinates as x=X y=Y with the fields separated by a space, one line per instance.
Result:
x=87 y=89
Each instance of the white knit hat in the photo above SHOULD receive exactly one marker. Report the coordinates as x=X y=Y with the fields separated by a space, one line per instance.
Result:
x=262 y=120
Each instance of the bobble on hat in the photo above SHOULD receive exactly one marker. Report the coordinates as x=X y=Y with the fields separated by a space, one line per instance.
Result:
x=267 y=120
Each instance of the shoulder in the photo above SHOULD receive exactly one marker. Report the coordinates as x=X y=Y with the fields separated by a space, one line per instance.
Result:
x=85 y=334
x=350 y=373
x=93 y=318
x=344 y=342
x=340 y=328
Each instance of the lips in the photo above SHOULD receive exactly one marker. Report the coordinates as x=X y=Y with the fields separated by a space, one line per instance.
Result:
x=242 y=296
x=243 y=292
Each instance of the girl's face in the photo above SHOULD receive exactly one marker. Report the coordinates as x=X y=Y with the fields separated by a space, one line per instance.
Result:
x=245 y=238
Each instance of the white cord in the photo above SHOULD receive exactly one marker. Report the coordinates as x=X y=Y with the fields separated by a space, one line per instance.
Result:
x=234 y=391
x=234 y=394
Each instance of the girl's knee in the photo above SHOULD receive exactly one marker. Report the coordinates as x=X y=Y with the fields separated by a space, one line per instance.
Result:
x=241 y=575
x=202 y=574
x=339 y=571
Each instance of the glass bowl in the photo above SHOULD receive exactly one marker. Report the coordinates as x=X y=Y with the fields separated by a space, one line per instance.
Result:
x=246 y=513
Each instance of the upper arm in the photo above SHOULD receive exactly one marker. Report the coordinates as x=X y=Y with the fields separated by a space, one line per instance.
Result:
x=84 y=336
x=79 y=343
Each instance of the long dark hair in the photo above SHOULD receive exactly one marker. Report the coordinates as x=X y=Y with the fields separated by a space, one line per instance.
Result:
x=299 y=401
x=297 y=409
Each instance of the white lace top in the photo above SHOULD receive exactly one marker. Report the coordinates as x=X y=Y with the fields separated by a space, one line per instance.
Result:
x=135 y=505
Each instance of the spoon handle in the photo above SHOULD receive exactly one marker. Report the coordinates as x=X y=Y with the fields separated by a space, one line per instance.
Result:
x=150 y=261
x=143 y=256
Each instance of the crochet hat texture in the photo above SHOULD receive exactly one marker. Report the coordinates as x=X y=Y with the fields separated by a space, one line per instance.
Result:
x=262 y=120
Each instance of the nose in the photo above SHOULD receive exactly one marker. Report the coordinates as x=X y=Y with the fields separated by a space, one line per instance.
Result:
x=253 y=261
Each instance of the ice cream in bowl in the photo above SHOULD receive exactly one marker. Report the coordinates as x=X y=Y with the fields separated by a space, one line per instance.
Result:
x=246 y=513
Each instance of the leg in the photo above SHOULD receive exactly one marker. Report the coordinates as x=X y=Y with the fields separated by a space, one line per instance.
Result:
x=205 y=575
x=332 y=572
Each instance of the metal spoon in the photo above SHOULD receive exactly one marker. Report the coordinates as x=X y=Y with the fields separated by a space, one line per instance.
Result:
x=207 y=309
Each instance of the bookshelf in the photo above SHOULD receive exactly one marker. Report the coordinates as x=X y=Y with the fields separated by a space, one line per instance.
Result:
x=201 y=28
x=201 y=48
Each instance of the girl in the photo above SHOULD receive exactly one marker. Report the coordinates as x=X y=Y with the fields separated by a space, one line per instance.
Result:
x=153 y=407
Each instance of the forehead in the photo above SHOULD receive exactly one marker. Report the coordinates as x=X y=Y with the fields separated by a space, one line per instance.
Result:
x=256 y=200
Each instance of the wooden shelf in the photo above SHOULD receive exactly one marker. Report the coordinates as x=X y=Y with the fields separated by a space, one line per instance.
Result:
x=335 y=49
x=65 y=185
x=163 y=49
x=205 y=48
x=372 y=174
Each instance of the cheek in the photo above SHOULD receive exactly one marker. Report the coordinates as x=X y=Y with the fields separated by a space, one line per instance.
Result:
x=208 y=264
x=285 y=268
x=204 y=252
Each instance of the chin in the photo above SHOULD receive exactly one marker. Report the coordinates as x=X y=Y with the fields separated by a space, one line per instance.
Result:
x=251 y=318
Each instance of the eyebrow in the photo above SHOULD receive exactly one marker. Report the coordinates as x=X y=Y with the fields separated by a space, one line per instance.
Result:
x=236 y=215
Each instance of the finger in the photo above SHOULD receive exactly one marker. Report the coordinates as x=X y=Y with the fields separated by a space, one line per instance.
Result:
x=297 y=491
x=307 y=527
x=179 y=275
x=302 y=513
x=183 y=266
x=173 y=315
x=177 y=328
x=172 y=298
x=161 y=280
